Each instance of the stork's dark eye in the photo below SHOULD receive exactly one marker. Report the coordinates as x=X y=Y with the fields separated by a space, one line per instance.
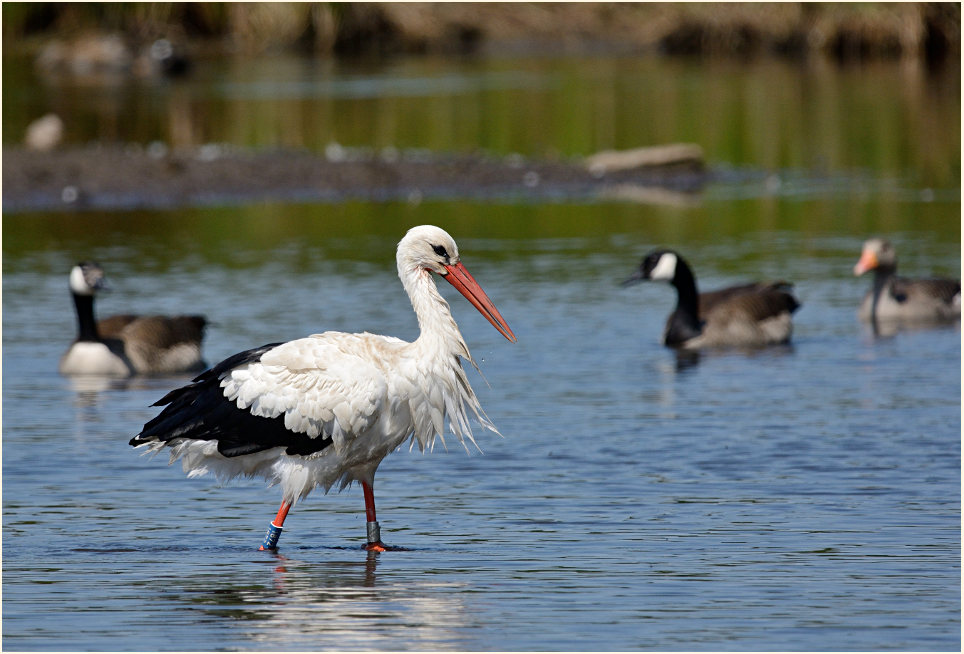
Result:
x=440 y=250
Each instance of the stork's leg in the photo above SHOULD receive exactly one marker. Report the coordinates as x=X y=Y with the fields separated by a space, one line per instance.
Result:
x=374 y=543
x=274 y=529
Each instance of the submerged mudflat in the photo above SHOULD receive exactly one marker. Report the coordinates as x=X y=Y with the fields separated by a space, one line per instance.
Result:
x=134 y=176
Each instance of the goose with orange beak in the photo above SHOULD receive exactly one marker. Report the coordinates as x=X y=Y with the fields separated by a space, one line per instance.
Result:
x=894 y=299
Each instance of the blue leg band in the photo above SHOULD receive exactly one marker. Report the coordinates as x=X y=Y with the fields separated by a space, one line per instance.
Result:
x=271 y=538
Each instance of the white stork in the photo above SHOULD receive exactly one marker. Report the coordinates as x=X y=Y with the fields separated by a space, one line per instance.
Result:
x=328 y=408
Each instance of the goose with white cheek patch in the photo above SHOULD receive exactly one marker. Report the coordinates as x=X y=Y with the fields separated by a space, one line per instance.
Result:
x=126 y=345
x=326 y=409
x=898 y=299
x=749 y=315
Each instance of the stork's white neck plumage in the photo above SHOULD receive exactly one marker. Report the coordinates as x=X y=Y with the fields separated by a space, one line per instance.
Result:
x=440 y=342
x=439 y=372
x=437 y=328
x=417 y=258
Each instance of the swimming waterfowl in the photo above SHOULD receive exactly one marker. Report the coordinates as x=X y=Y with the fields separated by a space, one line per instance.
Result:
x=126 y=345
x=747 y=315
x=898 y=299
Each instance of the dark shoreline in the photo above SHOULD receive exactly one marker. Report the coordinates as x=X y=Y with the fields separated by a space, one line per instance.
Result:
x=86 y=178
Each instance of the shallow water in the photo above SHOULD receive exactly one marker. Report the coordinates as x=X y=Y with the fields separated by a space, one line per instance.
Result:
x=797 y=498
x=804 y=497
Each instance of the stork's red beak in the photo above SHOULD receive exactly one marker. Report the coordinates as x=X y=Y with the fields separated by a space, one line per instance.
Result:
x=460 y=278
x=868 y=261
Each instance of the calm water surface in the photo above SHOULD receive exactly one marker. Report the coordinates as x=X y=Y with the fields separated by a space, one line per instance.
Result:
x=805 y=497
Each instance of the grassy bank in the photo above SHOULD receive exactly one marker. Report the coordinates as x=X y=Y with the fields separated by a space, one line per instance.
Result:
x=842 y=31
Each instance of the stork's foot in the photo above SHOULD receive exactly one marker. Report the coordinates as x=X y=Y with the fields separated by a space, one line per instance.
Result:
x=377 y=546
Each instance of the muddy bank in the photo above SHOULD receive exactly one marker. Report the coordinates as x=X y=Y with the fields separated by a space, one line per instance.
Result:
x=97 y=177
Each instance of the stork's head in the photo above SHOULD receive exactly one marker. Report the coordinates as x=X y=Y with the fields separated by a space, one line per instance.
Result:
x=877 y=253
x=430 y=248
x=87 y=278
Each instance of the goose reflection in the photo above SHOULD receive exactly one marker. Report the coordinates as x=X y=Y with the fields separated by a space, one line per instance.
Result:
x=91 y=391
x=886 y=329
x=88 y=388
x=688 y=360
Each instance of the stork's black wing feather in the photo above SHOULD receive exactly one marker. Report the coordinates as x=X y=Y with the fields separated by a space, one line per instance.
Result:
x=200 y=411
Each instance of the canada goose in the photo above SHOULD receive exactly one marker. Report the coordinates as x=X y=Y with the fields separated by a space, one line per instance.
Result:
x=897 y=299
x=741 y=316
x=124 y=345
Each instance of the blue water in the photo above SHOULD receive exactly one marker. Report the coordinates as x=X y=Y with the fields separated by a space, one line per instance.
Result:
x=797 y=498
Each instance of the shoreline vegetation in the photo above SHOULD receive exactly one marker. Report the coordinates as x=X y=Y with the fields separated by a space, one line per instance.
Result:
x=110 y=41
x=843 y=32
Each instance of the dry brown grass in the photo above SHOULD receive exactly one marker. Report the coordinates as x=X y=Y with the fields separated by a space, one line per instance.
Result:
x=841 y=30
